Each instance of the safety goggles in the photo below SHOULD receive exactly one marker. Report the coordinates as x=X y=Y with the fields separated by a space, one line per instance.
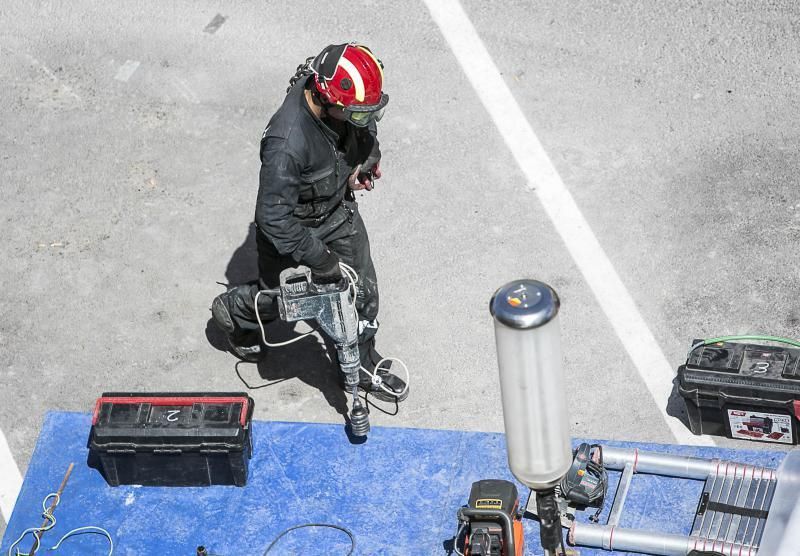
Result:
x=362 y=115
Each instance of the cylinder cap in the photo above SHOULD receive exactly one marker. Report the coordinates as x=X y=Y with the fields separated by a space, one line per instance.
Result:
x=524 y=304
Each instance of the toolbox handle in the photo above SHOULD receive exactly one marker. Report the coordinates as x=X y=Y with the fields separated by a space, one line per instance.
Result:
x=508 y=525
x=747 y=400
x=168 y=451
x=740 y=399
x=792 y=405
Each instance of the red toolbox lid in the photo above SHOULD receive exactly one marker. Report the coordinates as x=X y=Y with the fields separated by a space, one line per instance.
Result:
x=175 y=399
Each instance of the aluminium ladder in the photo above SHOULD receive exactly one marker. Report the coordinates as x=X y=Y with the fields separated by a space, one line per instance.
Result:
x=730 y=517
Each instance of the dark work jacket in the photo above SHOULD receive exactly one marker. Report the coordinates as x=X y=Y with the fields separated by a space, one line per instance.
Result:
x=304 y=171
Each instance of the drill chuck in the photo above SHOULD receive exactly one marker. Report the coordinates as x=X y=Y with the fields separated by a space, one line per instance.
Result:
x=351 y=372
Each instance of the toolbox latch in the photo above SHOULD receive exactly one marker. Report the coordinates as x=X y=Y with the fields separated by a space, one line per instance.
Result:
x=167 y=451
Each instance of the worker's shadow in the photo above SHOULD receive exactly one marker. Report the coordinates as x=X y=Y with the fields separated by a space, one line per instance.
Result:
x=243 y=266
x=307 y=359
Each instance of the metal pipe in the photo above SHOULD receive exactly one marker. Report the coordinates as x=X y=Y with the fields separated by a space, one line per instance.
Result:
x=649 y=542
x=659 y=464
x=621 y=495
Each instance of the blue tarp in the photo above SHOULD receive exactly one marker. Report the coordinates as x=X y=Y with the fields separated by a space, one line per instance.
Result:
x=398 y=493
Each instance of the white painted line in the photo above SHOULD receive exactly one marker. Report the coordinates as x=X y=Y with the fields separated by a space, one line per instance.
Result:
x=597 y=270
x=10 y=479
x=126 y=70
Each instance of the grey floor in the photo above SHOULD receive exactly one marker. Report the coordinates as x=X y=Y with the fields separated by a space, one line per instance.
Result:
x=129 y=159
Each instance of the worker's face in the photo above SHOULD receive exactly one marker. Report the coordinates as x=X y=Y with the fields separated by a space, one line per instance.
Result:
x=337 y=113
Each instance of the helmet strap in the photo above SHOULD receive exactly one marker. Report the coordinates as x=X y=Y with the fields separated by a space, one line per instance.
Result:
x=319 y=100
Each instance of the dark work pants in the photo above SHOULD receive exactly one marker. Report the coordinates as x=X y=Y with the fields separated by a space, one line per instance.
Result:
x=345 y=234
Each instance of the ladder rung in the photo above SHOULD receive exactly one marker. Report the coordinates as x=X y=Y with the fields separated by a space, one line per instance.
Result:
x=741 y=501
x=742 y=486
x=762 y=522
x=749 y=526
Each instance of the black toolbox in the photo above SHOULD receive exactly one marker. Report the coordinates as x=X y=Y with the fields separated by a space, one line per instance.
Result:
x=172 y=439
x=743 y=391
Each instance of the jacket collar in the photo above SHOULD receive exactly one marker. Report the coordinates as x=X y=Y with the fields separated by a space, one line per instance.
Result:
x=329 y=133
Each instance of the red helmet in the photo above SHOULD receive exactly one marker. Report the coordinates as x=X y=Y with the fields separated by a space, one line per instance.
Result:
x=351 y=77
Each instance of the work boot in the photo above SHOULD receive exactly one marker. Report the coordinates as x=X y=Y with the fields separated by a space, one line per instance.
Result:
x=246 y=345
x=221 y=312
x=369 y=359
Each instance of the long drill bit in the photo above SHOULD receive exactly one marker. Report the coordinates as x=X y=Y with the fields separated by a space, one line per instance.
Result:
x=51 y=509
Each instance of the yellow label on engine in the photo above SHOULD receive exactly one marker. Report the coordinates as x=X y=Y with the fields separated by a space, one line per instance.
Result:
x=489 y=504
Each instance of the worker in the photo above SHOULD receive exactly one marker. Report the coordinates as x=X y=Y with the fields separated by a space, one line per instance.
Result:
x=317 y=150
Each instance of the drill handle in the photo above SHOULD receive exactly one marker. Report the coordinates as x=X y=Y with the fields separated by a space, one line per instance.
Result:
x=464 y=514
x=299 y=281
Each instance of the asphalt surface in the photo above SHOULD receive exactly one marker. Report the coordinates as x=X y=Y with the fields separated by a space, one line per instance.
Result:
x=129 y=160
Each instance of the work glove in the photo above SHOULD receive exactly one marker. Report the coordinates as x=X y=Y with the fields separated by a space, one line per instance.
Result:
x=327 y=271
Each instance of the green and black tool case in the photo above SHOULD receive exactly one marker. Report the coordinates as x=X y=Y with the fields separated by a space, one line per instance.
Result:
x=744 y=391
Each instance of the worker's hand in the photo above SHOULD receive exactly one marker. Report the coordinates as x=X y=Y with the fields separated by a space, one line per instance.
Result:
x=365 y=180
x=376 y=171
x=327 y=271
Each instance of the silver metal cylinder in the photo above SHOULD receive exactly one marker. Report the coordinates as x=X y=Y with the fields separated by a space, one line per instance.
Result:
x=531 y=382
x=659 y=464
x=649 y=542
x=782 y=528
